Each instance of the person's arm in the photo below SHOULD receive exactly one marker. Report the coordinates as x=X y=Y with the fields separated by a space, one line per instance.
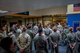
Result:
x=50 y=38
x=68 y=38
x=18 y=42
x=29 y=41
x=77 y=37
x=59 y=36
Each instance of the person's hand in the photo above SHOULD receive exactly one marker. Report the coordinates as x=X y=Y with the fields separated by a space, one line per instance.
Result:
x=55 y=45
x=72 y=45
x=21 y=50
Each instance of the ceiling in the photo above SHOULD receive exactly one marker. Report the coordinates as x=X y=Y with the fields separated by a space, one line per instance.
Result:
x=26 y=5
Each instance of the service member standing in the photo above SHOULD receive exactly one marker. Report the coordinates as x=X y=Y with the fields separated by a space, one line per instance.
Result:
x=47 y=32
x=29 y=31
x=71 y=38
x=54 y=38
x=35 y=29
x=78 y=38
x=23 y=42
x=40 y=42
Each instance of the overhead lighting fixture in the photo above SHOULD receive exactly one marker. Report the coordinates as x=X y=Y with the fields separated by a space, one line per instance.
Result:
x=1 y=11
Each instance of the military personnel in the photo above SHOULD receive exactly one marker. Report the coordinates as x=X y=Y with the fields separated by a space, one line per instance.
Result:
x=7 y=45
x=40 y=42
x=71 y=38
x=78 y=38
x=64 y=36
x=23 y=42
x=11 y=35
x=66 y=31
x=54 y=38
x=47 y=32
x=14 y=29
x=18 y=31
x=60 y=27
x=35 y=29
x=29 y=31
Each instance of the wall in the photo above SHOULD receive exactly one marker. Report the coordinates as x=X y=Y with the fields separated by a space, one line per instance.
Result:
x=72 y=18
x=50 y=11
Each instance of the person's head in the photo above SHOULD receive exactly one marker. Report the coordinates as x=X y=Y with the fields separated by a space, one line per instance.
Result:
x=45 y=26
x=54 y=29
x=34 y=24
x=24 y=29
x=66 y=27
x=78 y=28
x=29 y=25
x=7 y=43
x=40 y=31
x=71 y=29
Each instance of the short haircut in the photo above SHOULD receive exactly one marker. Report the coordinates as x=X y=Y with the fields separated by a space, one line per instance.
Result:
x=40 y=30
x=6 y=42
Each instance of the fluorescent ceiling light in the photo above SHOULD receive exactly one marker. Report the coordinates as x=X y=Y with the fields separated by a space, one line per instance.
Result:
x=1 y=11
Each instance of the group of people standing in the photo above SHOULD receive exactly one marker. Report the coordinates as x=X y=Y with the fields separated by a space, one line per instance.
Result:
x=48 y=37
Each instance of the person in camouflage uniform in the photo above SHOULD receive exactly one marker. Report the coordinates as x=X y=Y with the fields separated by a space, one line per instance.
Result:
x=7 y=45
x=54 y=38
x=23 y=42
x=78 y=39
x=71 y=38
x=40 y=42
x=29 y=31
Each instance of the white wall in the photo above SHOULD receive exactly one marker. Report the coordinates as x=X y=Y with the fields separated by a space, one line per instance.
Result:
x=50 y=11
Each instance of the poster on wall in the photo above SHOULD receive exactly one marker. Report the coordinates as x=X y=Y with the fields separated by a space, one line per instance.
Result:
x=76 y=7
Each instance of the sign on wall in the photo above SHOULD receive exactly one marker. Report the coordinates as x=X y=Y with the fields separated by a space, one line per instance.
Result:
x=76 y=7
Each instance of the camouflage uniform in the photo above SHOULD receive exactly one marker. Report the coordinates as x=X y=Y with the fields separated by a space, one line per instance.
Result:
x=78 y=40
x=40 y=44
x=23 y=41
x=54 y=37
x=47 y=32
x=71 y=38
x=29 y=31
